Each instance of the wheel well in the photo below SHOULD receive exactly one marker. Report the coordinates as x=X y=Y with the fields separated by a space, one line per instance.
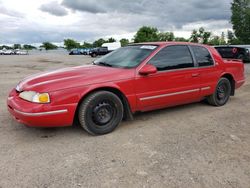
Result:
x=127 y=111
x=232 y=82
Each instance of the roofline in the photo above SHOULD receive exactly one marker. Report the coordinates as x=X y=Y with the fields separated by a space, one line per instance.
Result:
x=169 y=43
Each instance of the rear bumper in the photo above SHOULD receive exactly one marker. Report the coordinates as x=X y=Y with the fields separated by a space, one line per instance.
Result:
x=40 y=115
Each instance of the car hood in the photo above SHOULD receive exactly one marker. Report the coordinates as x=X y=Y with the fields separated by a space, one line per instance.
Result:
x=73 y=77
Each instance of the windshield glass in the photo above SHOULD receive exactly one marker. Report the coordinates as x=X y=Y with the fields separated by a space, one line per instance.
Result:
x=126 y=57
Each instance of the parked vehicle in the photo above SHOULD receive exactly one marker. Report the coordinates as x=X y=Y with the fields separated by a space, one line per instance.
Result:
x=86 y=51
x=234 y=52
x=75 y=52
x=112 y=46
x=99 y=51
x=8 y=52
x=105 y=49
x=21 y=52
x=138 y=77
x=80 y=51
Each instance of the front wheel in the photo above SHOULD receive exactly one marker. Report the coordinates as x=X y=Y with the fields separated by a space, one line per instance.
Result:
x=221 y=94
x=100 y=113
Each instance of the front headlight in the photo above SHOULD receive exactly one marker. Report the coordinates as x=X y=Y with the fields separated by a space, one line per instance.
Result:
x=35 y=97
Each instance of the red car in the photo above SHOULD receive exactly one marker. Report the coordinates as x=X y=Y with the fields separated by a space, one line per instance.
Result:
x=139 y=77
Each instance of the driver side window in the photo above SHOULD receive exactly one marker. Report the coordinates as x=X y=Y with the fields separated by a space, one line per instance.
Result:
x=173 y=57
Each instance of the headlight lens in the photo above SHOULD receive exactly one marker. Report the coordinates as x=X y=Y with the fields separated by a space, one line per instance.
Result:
x=35 y=97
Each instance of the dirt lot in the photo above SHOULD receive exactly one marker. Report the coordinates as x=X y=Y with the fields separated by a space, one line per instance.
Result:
x=189 y=146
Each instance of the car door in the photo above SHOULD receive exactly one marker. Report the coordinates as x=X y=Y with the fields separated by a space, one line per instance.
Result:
x=207 y=70
x=176 y=81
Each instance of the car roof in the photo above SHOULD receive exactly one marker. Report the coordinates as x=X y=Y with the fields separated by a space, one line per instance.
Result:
x=169 y=43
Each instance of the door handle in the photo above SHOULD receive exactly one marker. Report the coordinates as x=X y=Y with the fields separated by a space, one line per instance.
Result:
x=195 y=75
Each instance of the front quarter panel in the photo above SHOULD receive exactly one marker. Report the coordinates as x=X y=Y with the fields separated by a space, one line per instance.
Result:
x=76 y=95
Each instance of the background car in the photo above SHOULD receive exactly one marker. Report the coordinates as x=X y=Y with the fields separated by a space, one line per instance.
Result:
x=234 y=52
x=75 y=52
x=9 y=52
x=99 y=51
x=21 y=52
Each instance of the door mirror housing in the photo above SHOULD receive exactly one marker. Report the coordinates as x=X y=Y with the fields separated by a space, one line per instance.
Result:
x=148 y=69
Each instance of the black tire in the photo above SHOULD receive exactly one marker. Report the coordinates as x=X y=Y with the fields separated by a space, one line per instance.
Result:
x=93 y=55
x=221 y=94
x=100 y=113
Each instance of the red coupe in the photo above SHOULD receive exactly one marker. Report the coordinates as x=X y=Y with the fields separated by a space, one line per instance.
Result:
x=139 y=77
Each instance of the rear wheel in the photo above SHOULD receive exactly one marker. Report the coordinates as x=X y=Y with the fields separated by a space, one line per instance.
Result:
x=221 y=94
x=100 y=113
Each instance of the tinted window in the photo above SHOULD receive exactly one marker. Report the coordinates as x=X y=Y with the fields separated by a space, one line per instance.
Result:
x=202 y=56
x=172 y=57
x=225 y=52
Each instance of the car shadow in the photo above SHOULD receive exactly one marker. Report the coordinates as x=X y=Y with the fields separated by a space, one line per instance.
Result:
x=76 y=130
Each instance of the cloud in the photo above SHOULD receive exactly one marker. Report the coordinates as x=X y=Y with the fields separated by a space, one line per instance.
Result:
x=91 y=19
x=176 y=13
x=9 y=12
x=54 y=8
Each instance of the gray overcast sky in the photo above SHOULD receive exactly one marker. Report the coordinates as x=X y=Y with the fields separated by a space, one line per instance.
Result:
x=36 y=21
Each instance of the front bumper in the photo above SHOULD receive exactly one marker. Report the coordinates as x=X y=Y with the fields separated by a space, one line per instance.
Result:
x=40 y=115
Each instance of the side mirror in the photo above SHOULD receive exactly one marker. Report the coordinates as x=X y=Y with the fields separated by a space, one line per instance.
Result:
x=148 y=69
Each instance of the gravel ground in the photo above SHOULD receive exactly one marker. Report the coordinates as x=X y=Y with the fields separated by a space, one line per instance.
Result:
x=195 y=145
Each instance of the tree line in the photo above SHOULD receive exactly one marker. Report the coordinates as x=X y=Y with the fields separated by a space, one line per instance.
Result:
x=18 y=46
x=152 y=34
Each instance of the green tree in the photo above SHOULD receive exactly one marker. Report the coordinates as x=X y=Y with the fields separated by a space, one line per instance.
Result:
x=87 y=45
x=146 y=34
x=194 y=36
x=70 y=44
x=167 y=36
x=215 y=40
x=6 y=47
x=111 y=40
x=17 y=46
x=124 y=42
x=99 y=42
x=200 y=36
x=28 y=47
x=232 y=38
x=223 y=39
x=49 y=46
x=241 y=20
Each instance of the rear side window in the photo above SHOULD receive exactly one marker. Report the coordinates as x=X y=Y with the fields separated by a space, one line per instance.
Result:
x=202 y=56
x=172 y=57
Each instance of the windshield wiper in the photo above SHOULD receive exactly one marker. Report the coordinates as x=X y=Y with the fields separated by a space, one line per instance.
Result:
x=104 y=64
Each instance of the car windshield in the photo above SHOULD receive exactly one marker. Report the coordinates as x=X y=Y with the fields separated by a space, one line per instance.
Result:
x=126 y=57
